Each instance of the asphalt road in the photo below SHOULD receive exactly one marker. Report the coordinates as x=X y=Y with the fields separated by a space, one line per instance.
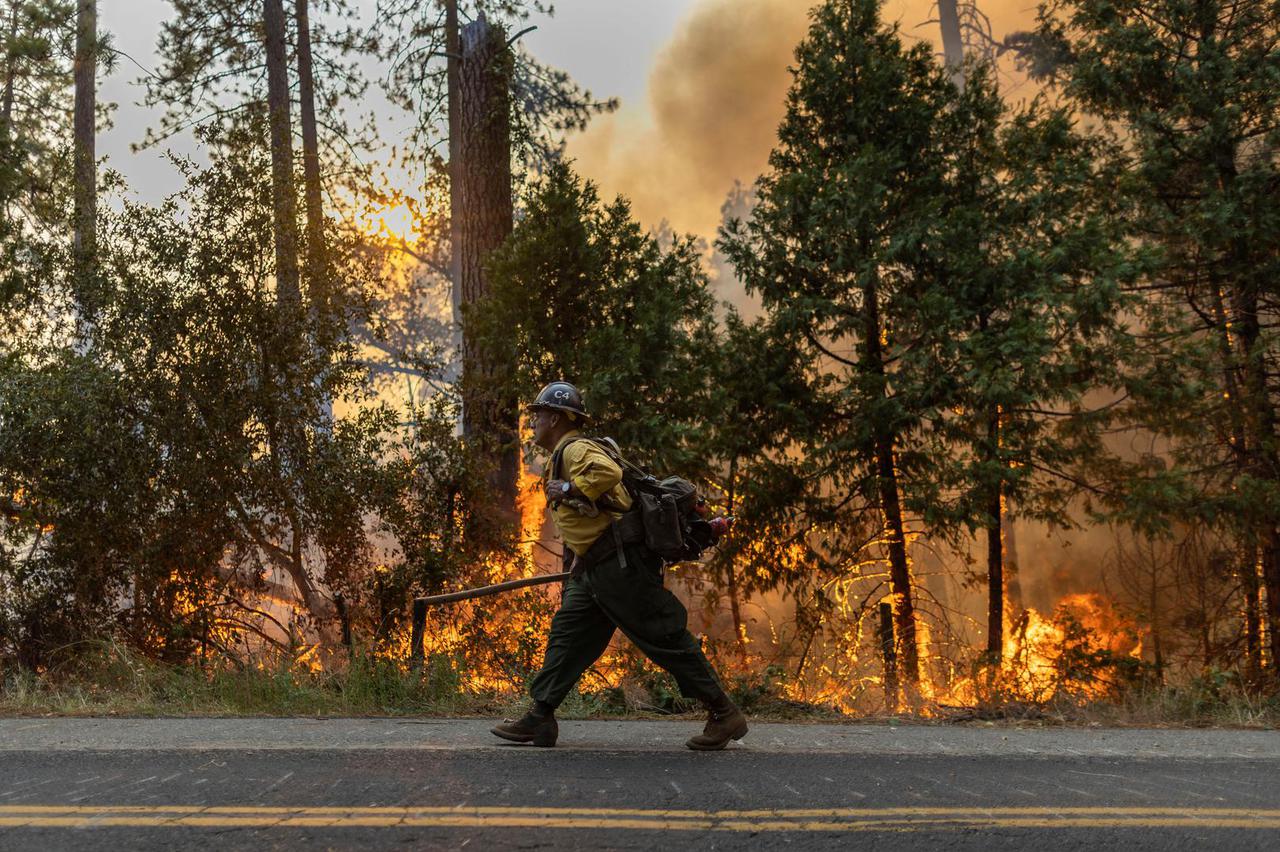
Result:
x=383 y=784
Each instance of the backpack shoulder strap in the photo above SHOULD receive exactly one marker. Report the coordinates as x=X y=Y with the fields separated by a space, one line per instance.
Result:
x=610 y=449
x=558 y=456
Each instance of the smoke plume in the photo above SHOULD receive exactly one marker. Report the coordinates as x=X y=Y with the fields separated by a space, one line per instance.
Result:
x=716 y=95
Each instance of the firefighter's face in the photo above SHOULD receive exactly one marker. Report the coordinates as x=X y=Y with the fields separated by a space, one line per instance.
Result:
x=544 y=423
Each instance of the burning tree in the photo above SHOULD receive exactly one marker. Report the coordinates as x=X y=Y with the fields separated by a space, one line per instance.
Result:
x=1019 y=326
x=1190 y=91
x=837 y=248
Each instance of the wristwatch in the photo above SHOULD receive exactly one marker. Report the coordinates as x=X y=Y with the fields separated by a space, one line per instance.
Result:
x=566 y=487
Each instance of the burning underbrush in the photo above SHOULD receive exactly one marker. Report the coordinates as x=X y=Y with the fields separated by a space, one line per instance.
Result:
x=1084 y=653
x=1082 y=663
x=816 y=650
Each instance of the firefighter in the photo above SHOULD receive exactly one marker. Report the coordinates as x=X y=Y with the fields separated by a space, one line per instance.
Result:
x=616 y=584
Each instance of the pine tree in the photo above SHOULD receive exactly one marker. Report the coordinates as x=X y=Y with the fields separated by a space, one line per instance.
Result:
x=1192 y=89
x=835 y=249
x=580 y=292
x=1020 y=324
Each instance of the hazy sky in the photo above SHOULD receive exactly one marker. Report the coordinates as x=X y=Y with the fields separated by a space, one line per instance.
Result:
x=607 y=45
x=701 y=81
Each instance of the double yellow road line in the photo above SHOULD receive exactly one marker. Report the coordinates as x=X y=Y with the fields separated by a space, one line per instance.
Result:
x=632 y=819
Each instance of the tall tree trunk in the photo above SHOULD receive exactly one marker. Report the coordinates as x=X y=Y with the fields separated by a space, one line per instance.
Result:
x=1252 y=615
x=1153 y=604
x=1271 y=583
x=10 y=75
x=1012 y=572
x=286 y=432
x=1261 y=418
x=310 y=159
x=85 y=222
x=995 y=551
x=1240 y=448
x=1266 y=464
x=887 y=476
x=453 y=56
x=284 y=201
x=731 y=577
x=952 y=40
x=483 y=220
x=318 y=283
x=6 y=99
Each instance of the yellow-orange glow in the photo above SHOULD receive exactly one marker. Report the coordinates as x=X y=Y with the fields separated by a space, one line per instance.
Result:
x=394 y=223
x=1040 y=654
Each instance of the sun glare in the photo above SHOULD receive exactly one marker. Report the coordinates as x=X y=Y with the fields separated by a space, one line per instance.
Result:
x=394 y=223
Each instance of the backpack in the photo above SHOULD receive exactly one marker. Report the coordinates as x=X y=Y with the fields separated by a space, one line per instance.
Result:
x=672 y=511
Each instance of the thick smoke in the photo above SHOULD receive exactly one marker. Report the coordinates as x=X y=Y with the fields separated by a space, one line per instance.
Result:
x=688 y=154
x=716 y=94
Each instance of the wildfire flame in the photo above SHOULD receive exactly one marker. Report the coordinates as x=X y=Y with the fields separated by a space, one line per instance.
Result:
x=1043 y=658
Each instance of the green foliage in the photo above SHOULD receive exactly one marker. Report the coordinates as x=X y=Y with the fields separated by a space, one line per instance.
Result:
x=104 y=678
x=974 y=247
x=35 y=120
x=210 y=74
x=1192 y=91
x=1082 y=667
x=546 y=102
x=194 y=447
x=841 y=250
x=1021 y=321
x=981 y=290
x=580 y=292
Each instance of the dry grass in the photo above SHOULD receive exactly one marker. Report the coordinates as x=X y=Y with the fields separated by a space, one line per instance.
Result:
x=110 y=680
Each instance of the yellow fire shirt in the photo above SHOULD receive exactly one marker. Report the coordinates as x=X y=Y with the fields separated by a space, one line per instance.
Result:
x=593 y=473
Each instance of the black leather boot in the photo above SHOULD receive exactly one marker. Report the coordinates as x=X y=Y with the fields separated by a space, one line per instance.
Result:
x=535 y=726
x=724 y=722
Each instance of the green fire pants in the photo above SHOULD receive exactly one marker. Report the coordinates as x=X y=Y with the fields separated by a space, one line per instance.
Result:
x=609 y=596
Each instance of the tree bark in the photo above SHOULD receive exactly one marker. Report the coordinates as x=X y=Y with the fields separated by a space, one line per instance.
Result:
x=1153 y=604
x=952 y=40
x=318 y=283
x=1252 y=615
x=284 y=202
x=995 y=551
x=731 y=577
x=282 y=356
x=310 y=160
x=453 y=51
x=887 y=478
x=482 y=220
x=85 y=215
x=1264 y=462
x=6 y=100
x=889 y=657
x=1240 y=448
